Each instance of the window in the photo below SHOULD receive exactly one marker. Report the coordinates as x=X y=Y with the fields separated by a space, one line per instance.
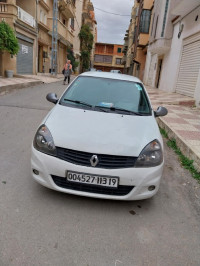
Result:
x=45 y=19
x=134 y=34
x=119 y=50
x=103 y=58
x=152 y=24
x=145 y=21
x=96 y=91
x=165 y=17
x=109 y=49
x=72 y=23
x=156 y=27
x=41 y=15
x=118 y=61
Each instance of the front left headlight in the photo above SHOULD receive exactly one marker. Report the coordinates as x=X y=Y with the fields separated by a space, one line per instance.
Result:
x=151 y=155
x=43 y=141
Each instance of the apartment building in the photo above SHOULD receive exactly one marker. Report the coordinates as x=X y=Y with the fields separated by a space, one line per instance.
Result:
x=108 y=57
x=84 y=15
x=173 y=60
x=32 y=23
x=65 y=33
x=137 y=37
x=21 y=16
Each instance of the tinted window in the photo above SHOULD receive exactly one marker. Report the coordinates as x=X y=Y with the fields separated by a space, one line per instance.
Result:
x=108 y=92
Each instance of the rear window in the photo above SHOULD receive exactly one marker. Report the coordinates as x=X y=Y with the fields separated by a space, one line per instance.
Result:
x=108 y=93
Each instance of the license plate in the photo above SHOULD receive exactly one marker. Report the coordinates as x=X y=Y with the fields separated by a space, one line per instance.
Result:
x=105 y=181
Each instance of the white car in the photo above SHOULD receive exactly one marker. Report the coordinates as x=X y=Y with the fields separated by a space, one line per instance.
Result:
x=100 y=140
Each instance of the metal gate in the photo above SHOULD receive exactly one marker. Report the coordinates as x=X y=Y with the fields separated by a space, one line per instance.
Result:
x=189 y=66
x=25 y=56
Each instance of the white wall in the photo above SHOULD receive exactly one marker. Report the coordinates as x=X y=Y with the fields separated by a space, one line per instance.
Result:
x=147 y=67
x=172 y=59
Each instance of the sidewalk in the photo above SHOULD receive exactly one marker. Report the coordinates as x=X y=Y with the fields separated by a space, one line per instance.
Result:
x=181 y=123
x=24 y=81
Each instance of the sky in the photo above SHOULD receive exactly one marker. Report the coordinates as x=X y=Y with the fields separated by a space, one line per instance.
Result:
x=112 y=28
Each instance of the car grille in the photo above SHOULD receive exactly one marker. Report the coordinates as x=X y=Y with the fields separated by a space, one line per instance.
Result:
x=105 y=161
x=63 y=183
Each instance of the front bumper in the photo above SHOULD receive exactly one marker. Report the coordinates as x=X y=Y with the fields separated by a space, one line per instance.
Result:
x=139 y=178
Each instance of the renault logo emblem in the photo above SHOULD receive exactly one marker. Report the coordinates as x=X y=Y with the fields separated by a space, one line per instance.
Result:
x=94 y=160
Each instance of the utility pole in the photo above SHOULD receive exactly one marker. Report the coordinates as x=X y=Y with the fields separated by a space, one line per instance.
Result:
x=54 y=39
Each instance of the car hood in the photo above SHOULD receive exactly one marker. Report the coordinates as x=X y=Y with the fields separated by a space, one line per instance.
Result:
x=101 y=132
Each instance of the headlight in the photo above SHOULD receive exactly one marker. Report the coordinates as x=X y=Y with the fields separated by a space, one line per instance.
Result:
x=151 y=155
x=43 y=141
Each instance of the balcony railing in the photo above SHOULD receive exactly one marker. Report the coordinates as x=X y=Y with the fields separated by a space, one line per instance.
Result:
x=8 y=8
x=63 y=31
x=67 y=8
x=26 y=17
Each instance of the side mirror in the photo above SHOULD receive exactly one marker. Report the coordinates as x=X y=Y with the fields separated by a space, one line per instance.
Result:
x=161 y=111
x=52 y=97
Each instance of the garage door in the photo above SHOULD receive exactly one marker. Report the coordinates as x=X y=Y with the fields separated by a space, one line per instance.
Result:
x=189 y=66
x=25 y=57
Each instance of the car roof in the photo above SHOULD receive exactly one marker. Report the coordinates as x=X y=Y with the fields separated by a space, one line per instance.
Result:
x=111 y=75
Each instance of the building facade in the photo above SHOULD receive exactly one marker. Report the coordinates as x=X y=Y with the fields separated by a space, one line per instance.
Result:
x=173 y=60
x=137 y=37
x=108 y=57
x=84 y=15
x=66 y=13
x=21 y=16
x=32 y=22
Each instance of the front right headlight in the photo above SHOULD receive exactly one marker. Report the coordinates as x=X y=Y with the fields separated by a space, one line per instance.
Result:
x=151 y=155
x=43 y=141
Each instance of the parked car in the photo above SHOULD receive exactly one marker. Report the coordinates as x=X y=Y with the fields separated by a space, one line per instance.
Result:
x=100 y=140
x=115 y=71
x=92 y=69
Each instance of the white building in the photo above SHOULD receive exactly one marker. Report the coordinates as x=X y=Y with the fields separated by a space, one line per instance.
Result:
x=173 y=58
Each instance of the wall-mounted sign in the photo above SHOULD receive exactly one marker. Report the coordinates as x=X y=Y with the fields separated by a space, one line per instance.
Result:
x=24 y=49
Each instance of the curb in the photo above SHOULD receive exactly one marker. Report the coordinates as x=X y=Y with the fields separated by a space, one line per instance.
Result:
x=185 y=149
x=19 y=86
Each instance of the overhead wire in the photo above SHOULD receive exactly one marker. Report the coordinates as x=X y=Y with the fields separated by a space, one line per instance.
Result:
x=108 y=12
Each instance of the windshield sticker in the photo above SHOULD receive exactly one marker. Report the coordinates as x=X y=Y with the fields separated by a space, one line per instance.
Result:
x=138 y=87
x=103 y=104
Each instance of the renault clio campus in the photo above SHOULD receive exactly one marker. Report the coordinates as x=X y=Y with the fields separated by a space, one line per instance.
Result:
x=100 y=140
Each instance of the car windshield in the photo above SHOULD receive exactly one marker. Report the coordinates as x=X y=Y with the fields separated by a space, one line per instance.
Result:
x=107 y=94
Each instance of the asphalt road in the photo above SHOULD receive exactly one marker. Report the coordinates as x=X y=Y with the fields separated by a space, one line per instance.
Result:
x=39 y=226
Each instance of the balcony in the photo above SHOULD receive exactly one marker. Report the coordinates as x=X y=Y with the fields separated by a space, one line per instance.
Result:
x=26 y=17
x=13 y=10
x=143 y=39
x=67 y=8
x=44 y=4
x=64 y=35
x=160 y=46
x=123 y=60
x=8 y=9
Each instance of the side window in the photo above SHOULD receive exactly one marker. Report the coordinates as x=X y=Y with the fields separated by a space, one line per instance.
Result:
x=119 y=50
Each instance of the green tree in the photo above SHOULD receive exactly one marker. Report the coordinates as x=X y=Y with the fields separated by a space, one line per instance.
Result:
x=71 y=57
x=8 y=41
x=86 y=39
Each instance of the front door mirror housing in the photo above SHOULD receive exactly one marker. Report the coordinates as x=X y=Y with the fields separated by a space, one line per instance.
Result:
x=52 y=97
x=161 y=111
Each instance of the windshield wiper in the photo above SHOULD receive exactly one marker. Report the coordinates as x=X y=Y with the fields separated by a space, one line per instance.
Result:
x=120 y=109
x=78 y=102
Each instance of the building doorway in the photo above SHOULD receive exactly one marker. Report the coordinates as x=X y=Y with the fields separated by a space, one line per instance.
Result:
x=158 y=74
x=40 y=59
